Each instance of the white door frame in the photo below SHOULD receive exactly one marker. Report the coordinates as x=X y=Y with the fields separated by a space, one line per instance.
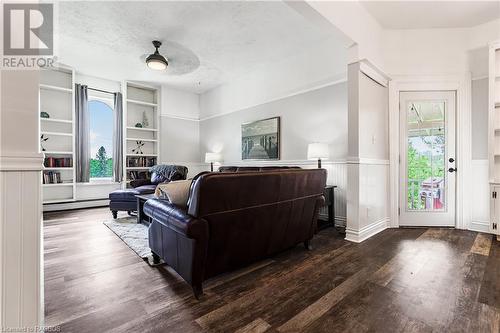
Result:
x=462 y=85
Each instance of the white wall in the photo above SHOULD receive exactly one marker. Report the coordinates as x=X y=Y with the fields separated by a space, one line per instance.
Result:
x=480 y=119
x=317 y=115
x=180 y=129
x=285 y=77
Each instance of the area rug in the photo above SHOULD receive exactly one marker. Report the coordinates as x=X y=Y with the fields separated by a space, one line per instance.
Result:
x=134 y=235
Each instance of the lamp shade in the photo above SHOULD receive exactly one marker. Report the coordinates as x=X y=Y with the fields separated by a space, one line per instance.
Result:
x=317 y=151
x=212 y=157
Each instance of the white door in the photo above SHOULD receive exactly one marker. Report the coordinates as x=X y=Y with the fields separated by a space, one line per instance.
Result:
x=428 y=158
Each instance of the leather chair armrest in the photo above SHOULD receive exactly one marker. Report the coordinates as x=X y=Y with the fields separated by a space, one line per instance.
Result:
x=140 y=182
x=173 y=217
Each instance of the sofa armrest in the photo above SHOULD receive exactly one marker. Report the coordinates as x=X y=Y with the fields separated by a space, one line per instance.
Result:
x=174 y=217
x=140 y=182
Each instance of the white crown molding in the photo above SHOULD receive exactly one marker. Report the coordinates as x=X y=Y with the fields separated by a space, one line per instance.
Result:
x=21 y=162
x=179 y=117
x=370 y=70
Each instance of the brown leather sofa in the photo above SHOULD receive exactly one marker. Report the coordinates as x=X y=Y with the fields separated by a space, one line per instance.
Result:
x=234 y=219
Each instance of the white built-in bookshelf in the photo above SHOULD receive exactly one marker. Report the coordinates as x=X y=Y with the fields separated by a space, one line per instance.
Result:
x=57 y=100
x=140 y=102
x=494 y=135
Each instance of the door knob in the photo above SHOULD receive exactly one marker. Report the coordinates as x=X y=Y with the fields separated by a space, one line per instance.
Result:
x=451 y=160
x=452 y=169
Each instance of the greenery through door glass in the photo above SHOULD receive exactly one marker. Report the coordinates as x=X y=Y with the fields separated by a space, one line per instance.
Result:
x=426 y=156
x=101 y=139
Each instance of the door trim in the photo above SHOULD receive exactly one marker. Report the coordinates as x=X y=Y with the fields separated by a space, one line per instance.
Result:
x=461 y=84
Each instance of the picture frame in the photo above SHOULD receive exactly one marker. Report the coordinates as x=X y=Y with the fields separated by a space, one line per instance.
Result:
x=261 y=139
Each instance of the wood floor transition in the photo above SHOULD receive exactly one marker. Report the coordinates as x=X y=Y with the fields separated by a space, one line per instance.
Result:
x=401 y=280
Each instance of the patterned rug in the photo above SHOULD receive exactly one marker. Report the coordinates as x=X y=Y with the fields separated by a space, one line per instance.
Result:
x=134 y=235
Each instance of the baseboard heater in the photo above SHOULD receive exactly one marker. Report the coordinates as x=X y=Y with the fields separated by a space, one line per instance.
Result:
x=91 y=203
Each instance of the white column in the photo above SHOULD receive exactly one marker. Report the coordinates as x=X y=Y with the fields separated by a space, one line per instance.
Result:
x=368 y=152
x=21 y=278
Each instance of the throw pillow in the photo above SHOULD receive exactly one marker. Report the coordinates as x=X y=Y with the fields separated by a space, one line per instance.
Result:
x=177 y=192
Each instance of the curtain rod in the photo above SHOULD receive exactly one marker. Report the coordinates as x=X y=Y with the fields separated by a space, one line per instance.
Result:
x=103 y=91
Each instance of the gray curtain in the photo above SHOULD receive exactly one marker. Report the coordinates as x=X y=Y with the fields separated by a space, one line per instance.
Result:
x=82 y=153
x=118 y=139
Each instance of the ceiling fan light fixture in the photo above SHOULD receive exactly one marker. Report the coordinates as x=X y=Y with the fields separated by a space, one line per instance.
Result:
x=156 y=61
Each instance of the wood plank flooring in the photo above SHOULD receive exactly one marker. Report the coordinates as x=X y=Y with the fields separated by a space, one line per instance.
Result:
x=401 y=280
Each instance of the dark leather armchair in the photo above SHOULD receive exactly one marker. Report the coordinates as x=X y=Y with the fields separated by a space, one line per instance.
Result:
x=234 y=219
x=125 y=200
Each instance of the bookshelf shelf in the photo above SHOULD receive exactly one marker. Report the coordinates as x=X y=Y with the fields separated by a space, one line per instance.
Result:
x=58 y=169
x=133 y=101
x=57 y=184
x=141 y=139
x=57 y=98
x=140 y=107
x=143 y=155
x=57 y=133
x=55 y=88
x=52 y=120
x=142 y=129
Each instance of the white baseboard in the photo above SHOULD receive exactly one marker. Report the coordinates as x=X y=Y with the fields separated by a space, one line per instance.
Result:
x=367 y=231
x=479 y=226
x=76 y=205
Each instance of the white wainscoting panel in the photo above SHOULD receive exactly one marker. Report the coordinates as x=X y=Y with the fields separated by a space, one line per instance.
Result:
x=480 y=197
x=369 y=197
x=20 y=250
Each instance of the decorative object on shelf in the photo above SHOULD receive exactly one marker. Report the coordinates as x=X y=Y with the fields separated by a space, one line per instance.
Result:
x=43 y=139
x=155 y=60
x=212 y=158
x=145 y=122
x=138 y=125
x=260 y=140
x=44 y=114
x=138 y=149
x=317 y=151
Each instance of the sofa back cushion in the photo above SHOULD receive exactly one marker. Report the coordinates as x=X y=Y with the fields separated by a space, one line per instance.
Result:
x=255 y=214
x=163 y=173
x=249 y=168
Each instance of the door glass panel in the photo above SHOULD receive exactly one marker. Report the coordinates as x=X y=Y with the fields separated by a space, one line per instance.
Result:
x=425 y=167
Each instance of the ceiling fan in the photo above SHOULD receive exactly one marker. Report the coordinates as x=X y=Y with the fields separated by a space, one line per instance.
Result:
x=155 y=60
x=180 y=60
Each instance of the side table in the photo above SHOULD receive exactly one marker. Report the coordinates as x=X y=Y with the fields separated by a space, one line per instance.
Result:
x=141 y=200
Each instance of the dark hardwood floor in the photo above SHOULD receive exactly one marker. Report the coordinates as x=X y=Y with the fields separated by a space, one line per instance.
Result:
x=401 y=280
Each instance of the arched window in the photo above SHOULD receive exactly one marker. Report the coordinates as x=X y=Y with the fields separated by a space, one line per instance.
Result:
x=101 y=139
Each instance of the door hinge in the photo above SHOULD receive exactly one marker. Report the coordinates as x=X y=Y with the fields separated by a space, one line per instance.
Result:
x=399 y=211
x=494 y=226
x=494 y=194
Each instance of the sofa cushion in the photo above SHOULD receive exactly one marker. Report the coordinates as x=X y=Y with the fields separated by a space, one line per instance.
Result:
x=165 y=173
x=177 y=192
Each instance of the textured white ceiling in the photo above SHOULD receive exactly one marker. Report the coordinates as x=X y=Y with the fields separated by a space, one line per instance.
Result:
x=210 y=42
x=432 y=14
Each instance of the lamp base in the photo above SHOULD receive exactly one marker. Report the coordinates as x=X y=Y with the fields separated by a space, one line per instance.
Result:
x=211 y=166
x=319 y=163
